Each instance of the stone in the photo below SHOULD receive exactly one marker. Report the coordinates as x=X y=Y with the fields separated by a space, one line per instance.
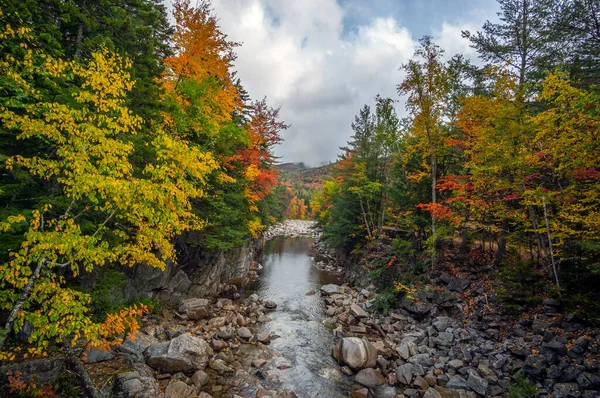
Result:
x=220 y=367
x=357 y=311
x=450 y=393
x=459 y=285
x=355 y=352
x=207 y=395
x=535 y=366
x=456 y=364
x=270 y=304
x=244 y=333
x=94 y=356
x=194 y=308
x=240 y=320
x=457 y=382
x=358 y=329
x=199 y=378
x=310 y=292
x=346 y=370
x=225 y=334
x=182 y=354
x=136 y=385
x=414 y=307
x=179 y=390
x=565 y=390
x=330 y=289
x=263 y=337
x=421 y=359
x=432 y=393
x=135 y=347
x=257 y=363
x=556 y=346
x=403 y=351
x=217 y=345
x=442 y=323
x=361 y=393
x=421 y=383
x=404 y=373
x=477 y=384
x=369 y=377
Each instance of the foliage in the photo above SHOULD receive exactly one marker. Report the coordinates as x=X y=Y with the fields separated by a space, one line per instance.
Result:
x=89 y=187
x=521 y=387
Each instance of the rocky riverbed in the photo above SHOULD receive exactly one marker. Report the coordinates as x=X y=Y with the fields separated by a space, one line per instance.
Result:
x=428 y=348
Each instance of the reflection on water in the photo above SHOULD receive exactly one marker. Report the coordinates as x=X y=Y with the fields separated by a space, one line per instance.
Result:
x=287 y=276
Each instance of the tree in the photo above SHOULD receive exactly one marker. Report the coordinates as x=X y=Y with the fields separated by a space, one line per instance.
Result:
x=110 y=214
x=426 y=84
x=523 y=41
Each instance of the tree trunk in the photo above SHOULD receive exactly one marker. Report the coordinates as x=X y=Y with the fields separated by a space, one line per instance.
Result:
x=550 y=246
x=501 y=253
x=433 y=201
x=17 y=307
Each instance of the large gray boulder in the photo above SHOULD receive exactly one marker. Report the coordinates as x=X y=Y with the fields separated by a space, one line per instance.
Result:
x=179 y=390
x=183 y=353
x=330 y=289
x=136 y=345
x=369 y=377
x=137 y=384
x=194 y=308
x=355 y=352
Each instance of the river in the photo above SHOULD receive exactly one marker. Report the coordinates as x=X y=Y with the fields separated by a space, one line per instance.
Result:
x=288 y=275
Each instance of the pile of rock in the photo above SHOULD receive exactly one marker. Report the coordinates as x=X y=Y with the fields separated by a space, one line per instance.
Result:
x=293 y=228
x=421 y=350
x=207 y=348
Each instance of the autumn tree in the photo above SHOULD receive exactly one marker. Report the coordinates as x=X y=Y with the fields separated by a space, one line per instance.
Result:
x=426 y=87
x=110 y=214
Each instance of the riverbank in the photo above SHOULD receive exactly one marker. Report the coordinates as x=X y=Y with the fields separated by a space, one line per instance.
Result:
x=448 y=341
x=208 y=346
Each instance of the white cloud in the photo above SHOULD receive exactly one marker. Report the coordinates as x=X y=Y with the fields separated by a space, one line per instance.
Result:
x=297 y=54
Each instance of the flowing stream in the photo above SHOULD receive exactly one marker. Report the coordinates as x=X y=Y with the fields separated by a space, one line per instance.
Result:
x=288 y=275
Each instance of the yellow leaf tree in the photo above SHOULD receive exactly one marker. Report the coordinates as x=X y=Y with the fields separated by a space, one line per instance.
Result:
x=114 y=212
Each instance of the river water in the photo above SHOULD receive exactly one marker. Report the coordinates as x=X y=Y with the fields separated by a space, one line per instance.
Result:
x=288 y=274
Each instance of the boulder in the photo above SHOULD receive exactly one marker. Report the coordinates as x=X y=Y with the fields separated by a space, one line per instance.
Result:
x=136 y=345
x=263 y=337
x=432 y=393
x=270 y=305
x=330 y=289
x=94 y=356
x=136 y=384
x=179 y=390
x=535 y=366
x=200 y=378
x=369 y=377
x=194 y=308
x=357 y=311
x=457 y=382
x=244 y=333
x=477 y=384
x=459 y=285
x=355 y=352
x=362 y=393
x=449 y=393
x=405 y=373
x=183 y=353
x=414 y=307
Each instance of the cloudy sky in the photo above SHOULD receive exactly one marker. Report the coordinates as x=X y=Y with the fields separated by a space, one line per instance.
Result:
x=322 y=60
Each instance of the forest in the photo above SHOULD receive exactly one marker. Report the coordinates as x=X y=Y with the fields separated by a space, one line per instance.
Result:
x=494 y=166
x=122 y=138
x=127 y=138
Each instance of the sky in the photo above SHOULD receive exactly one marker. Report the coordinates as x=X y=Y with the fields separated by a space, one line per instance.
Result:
x=320 y=61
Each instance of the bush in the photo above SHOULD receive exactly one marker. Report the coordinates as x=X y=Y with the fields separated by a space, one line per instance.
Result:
x=521 y=387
